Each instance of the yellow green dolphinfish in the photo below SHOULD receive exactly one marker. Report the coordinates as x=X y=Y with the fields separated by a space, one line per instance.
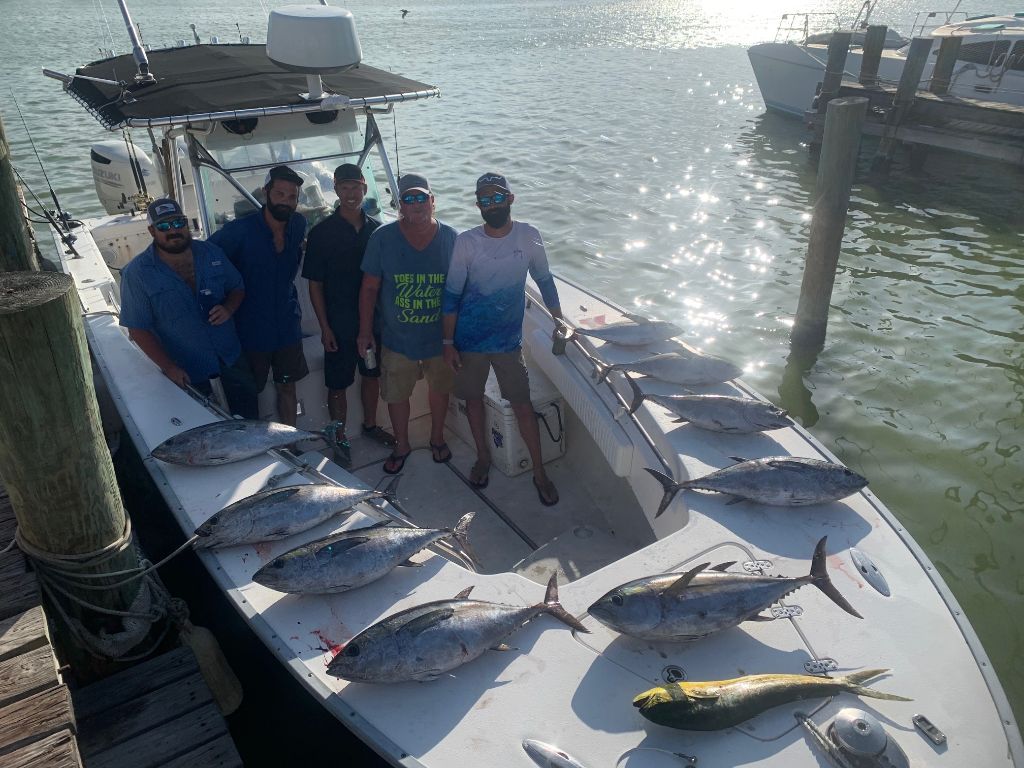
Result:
x=717 y=704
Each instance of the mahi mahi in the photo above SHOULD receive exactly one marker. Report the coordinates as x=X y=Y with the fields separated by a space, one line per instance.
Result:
x=425 y=642
x=783 y=481
x=350 y=559
x=717 y=413
x=683 y=367
x=702 y=601
x=713 y=705
x=278 y=513
x=223 y=442
x=632 y=334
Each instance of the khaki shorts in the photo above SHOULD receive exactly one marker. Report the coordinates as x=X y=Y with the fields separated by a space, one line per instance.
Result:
x=398 y=375
x=509 y=370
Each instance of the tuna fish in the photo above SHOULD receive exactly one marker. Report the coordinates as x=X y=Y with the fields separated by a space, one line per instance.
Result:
x=223 y=442
x=717 y=413
x=632 y=334
x=713 y=705
x=425 y=642
x=353 y=558
x=683 y=367
x=783 y=481
x=278 y=513
x=702 y=601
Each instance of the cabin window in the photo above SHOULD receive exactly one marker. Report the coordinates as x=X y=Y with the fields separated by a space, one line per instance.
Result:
x=1017 y=57
x=988 y=54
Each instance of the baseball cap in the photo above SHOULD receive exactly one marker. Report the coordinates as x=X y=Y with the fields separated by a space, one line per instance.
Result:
x=161 y=209
x=284 y=173
x=413 y=181
x=492 y=180
x=348 y=172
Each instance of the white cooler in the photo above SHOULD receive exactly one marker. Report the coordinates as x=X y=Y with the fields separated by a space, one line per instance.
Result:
x=508 y=451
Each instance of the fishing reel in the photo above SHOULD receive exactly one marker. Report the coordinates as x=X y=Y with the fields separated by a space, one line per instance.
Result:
x=861 y=739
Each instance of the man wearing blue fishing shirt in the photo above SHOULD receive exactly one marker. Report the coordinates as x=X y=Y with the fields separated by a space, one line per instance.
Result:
x=403 y=278
x=484 y=306
x=177 y=301
x=266 y=248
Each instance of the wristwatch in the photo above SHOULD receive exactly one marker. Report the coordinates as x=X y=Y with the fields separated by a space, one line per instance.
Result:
x=448 y=342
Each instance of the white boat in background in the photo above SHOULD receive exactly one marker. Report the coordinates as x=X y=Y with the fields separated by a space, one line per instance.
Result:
x=990 y=65
x=555 y=691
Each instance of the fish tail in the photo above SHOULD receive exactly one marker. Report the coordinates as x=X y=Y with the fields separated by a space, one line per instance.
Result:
x=388 y=491
x=820 y=579
x=601 y=370
x=852 y=683
x=638 y=394
x=670 y=486
x=459 y=534
x=553 y=607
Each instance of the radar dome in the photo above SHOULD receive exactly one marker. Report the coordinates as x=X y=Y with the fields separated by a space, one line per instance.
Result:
x=313 y=39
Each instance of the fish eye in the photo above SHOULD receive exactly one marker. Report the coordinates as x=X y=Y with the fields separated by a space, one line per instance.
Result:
x=617 y=600
x=351 y=650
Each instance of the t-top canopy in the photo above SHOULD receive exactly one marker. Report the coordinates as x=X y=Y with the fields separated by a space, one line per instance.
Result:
x=216 y=82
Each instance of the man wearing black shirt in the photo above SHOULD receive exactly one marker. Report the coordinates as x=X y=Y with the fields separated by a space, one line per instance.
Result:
x=334 y=254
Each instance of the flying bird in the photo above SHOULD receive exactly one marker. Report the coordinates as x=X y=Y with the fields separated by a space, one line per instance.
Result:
x=404 y=13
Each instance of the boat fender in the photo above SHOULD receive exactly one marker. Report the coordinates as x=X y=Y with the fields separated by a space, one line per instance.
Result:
x=217 y=673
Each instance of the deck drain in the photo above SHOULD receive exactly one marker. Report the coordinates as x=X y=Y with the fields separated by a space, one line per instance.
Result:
x=673 y=674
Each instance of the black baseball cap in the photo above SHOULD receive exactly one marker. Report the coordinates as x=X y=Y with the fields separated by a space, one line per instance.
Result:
x=282 y=173
x=162 y=209
x=348 y=172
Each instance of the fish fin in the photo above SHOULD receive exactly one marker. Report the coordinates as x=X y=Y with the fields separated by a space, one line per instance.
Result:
x=723 y=567
x=601 y=370
x=501 y=647
x=638 y=394
x=388 y=491
x=734 y=500
x=854 y=680
x=678 y=587
x=463 y=524
x=680 y=420
x=553 y=607
x=759 y=617
x=463 y=594
x=426 y=621
x=459 y=534
x=738 y=458
x=819 y=578
x=670 y=486
x=409 y=564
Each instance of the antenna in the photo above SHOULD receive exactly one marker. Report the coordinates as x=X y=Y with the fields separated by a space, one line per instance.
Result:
x=138 y=51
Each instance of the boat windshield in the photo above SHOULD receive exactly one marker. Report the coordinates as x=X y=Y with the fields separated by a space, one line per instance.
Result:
x=248 y=156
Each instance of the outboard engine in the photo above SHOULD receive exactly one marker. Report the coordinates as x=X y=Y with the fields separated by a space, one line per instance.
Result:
x=121 y=174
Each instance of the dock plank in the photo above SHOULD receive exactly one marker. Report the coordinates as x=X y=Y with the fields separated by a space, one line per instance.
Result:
x=172 y=741
x=146 y=713
x=23 y=632
x=18 y=593
x=26 y=674
x=12 y=562
x=134 y=682
x=219 y=753
x=56 y=751
x=38 y=716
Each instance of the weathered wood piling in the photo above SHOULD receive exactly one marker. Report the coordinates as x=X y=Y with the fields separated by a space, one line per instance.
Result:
x=16 y=252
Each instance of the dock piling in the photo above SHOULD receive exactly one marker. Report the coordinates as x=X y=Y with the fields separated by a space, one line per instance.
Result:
x=836 y=168
x=917 y=57
x=949 y=49
x=835 y=66
x=16 y=253
x=871 y=57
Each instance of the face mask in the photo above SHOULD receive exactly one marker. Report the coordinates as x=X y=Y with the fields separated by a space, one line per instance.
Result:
x=497 y=217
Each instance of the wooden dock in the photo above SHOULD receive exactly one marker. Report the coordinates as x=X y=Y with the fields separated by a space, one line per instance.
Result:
x=158 y=713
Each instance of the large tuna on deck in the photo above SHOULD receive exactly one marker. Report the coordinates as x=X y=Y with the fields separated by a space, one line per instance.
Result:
x=224 y=442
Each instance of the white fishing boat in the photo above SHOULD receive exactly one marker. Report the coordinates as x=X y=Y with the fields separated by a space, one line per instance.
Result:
x=218 y=117
x=989 y=66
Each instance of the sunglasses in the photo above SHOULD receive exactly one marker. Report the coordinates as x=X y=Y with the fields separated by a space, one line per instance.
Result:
x=496 y=199
x=419 y=197
x=165 y=226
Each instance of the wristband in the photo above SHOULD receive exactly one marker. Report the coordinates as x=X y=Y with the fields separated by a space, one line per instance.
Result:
x=448 y=342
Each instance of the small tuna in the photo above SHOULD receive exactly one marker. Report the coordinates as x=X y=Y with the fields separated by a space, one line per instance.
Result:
x=424 y=642
x=353 y=558
x=683 y=367
x=224 y=442
x=717 y=413
x=783 y=481
x=713 y=705
x=631 y=333
x=278 y=513
x=688 y=606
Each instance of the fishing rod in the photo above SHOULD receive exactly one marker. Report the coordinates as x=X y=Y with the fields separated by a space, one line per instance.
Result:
x=64 y=234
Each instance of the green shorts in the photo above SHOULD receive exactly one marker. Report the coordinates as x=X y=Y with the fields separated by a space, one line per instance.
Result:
x=509 y=370
x=398 y=375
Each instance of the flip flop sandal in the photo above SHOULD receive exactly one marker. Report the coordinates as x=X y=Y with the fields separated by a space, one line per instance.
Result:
x=378 y=433
x=547 y=493
x=397 y=462
x=479 y=475
x=440 y=453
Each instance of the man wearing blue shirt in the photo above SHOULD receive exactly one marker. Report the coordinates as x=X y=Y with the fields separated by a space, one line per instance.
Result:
x=177 y=301
x=484 y=305
x=403 y=278
x=266 y=248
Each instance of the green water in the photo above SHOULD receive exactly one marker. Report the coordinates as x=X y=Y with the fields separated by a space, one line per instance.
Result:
x=636 y=140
